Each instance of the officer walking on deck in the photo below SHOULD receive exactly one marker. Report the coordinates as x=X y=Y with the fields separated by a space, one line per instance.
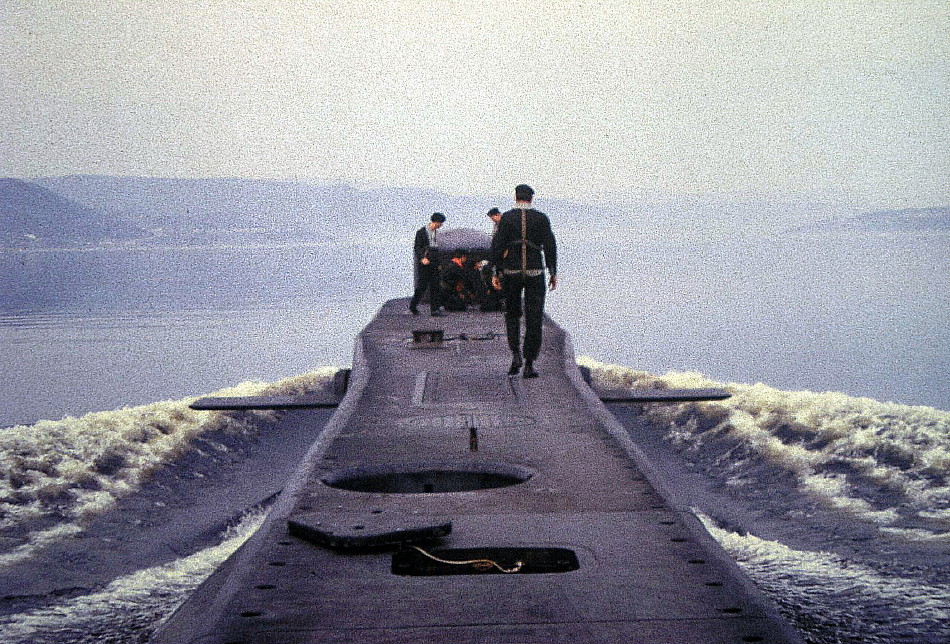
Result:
x=524 y=235
x=426 y=250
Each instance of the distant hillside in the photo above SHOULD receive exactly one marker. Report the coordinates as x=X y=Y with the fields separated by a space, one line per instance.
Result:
x=910 y=220
x=183 y=206
x=232 y=210
x=312 y=211
x=188 y=206
x=31 y=214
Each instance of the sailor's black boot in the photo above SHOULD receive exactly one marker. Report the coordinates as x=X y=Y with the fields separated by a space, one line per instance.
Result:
x=529 y=371
x=515 y=365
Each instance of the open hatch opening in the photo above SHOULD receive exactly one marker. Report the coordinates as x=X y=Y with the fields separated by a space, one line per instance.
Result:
x=416 y=562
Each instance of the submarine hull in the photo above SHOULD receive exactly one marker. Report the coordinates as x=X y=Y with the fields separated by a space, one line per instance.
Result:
x=447 y=502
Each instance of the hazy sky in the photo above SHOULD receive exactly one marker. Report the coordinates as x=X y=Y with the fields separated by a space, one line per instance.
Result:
x=836 y=98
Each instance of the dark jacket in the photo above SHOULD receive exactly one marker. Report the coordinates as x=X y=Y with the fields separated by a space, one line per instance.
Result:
x=421 y=246
x=539 y=241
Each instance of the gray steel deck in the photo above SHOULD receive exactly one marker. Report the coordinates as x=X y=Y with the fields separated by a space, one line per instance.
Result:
x=647 y=572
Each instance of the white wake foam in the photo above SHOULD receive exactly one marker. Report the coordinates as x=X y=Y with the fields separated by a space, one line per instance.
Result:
x=139 y=600
x=56 y=475
x=827 y=594
x=883 y=462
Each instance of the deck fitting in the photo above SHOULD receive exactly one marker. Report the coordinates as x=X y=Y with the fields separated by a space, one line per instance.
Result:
x=353 y=530
x=427 y=338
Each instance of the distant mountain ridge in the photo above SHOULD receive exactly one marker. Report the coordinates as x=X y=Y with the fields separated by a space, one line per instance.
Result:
x=909 y=220
x=305 y=210
x=307 y=207
x=31 y=214
x=165 y=205
x=208 y=206
x=90 y=209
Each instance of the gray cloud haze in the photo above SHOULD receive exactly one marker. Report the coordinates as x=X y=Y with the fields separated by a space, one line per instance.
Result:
x=836 y=100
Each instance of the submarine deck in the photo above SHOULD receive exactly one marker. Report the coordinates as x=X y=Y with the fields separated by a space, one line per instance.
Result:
x=526 y=469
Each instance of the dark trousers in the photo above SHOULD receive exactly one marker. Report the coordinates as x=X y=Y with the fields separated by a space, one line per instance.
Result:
x=532 y=288
x=491 y=300
x=428 y=279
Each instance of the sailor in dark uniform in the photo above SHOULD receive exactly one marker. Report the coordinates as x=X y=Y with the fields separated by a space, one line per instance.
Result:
x=426 y=250
x=522 y=246
x=461 y=284
x=495 y=215
x=491 y=297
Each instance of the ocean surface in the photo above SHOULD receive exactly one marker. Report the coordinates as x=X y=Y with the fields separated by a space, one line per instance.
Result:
x=826 y=475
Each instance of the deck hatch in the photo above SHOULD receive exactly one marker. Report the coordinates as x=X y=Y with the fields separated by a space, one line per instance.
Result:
x=454 y=388
x=428 y=479
x=414 y=563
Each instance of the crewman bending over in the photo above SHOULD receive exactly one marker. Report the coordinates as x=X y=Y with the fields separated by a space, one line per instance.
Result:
x=459 y=286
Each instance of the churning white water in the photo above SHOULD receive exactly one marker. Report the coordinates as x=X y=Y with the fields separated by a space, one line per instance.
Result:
x=853 y=493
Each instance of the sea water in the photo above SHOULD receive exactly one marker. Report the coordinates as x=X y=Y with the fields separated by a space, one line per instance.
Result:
x=88 y=330
x=833 y=449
